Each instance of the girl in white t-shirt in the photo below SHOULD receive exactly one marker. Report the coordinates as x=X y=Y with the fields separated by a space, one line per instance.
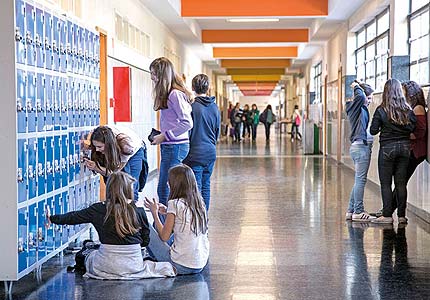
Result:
x=186 y=217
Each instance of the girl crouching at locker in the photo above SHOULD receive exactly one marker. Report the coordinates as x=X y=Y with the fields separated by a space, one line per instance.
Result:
x=186 y=217
x=122 y=228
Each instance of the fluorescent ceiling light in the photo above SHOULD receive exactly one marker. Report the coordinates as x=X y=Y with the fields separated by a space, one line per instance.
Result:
x=251 y=20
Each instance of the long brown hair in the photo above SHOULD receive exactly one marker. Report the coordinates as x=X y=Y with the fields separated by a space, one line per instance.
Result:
x=183 y=185
x=167 y=80
x=394 y=103
x=414 y=94
x=119 y=192
x=111 y=158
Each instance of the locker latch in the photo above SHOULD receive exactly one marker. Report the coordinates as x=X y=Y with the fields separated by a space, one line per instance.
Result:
x=19 y=176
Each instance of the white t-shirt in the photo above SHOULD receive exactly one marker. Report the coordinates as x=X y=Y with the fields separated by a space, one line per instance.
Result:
x=136 y=141
x=187 y=249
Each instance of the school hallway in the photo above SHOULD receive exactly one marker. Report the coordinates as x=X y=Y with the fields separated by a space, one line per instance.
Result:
x=277 y=231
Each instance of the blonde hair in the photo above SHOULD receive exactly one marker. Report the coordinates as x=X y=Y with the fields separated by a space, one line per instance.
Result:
x=119 y=192
x=183 y=185
x=167 y=80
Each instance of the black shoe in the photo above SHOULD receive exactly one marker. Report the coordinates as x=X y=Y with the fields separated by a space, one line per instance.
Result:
x=376 y=214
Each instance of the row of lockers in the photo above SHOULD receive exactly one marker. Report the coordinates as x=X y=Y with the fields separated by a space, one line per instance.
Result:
x=46 y=164
x=47 y=102
x=52 y=41
x=35 y=241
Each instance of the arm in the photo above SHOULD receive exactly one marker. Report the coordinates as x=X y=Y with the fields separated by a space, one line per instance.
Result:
x=164 y=231
x=376 y=125
x=218 y=125
x=182 y=109
x=75 y=217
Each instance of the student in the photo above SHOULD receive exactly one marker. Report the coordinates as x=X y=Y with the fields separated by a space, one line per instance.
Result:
x=360 y=150
x=236 y=120
x=187 y=218
x=173 y=100
x=118 y=149
x=203 y=136
x=296 y=120
x=122 y=228
x=246 y=121
x=395 y=121
x=255 y=115
x=267 y=118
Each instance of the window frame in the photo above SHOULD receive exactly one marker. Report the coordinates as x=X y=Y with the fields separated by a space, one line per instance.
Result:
x=318 y=82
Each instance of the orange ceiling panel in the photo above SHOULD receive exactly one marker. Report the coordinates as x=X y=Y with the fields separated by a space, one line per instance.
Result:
x=248 y=52
x=256 y=36
x=247 y=83
x=253 y=8
x=256 y=71
x=255 y=63
x=256 y=87
x=257 y=93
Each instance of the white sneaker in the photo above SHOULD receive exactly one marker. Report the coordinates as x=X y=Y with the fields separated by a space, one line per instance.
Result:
x=363 y=217
x=348 y=216
x=383 y=220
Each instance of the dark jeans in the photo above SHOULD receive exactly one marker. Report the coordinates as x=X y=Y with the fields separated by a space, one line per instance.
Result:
x=246 y=129
x=393 y=161
x=295 y=131
x=237 y=131
x=254 y=131
x=203 y=178
x=267 y=126
x=134 y=168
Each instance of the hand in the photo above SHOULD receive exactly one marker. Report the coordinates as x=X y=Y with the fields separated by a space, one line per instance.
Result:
x=152 y=205
x=158 y=139
x=162 y=209
x=412 y=136
x=91 y=165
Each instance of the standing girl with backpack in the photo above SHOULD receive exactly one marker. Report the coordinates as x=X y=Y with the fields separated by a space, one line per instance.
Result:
x=185 y=216
x=255 y=116
x=296 y=121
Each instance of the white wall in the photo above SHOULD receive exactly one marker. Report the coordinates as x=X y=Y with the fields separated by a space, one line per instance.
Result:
x=261 y=101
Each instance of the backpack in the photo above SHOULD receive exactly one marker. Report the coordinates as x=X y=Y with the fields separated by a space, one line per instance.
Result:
x=297 y=120
x=88 y=247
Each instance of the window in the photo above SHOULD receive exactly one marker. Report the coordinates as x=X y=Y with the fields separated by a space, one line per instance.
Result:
x=132 y=36
x=419 y=41
x=371 y=54
x=317 y=82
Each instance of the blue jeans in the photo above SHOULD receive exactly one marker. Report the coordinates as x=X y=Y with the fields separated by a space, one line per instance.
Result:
x=171 y=155
x=361 y=155
x=161 y=252
x=203 y=178
x=134 y=168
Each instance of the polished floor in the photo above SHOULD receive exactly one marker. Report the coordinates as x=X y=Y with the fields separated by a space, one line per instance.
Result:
x=277 y=231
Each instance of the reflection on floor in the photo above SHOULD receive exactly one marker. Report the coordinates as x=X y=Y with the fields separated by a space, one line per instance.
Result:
x=277 y=232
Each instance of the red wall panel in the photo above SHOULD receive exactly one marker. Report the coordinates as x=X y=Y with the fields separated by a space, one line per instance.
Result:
x=122 y=94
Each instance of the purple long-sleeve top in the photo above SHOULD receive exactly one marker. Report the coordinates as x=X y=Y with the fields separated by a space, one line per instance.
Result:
x=176 y=120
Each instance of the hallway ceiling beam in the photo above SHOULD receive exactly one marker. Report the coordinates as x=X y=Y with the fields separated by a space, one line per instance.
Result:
x=256 y=36
x=254 y=52
x=257 y=71
x=255 y=78
x=255 y=63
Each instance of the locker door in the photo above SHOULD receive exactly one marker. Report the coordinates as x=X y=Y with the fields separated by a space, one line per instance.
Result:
x=70 y=102
x=70 y=46
x=84 y=106
x=32 y=165
x=20 y=48
x=56 y=43
x=82 y=39
x=97 y=56
x=41 y=160
x=91 y=110
x=40 y=26
x=90 y=59
x=21 y=95
x=71 y=160
x=56 y=83
x=22 y=239
x=66 y=228
x=49 y=164
x=22 y=179
x=76 y=44
x=32 y=234
x=50 y=231
x=97 y=104
x=41 y=230
x=77 y=156
x=31 y=101
x=48 y=41
x=63 y=160
x=58 y=228
x=49 y=98
x=70 y=207
x=78 y=203
x=57 y=158
x=40 y=102
x=30 y=19
x=63 y=45
x=64 y=106
x=77 y=102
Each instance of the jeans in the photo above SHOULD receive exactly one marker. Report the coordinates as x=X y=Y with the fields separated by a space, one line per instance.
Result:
x=237 y=131
x=171 y=155
x=203 y=178
x=161 y=252
x=246 y=129
x=361 y=155
x=393 y=161
x=267 y=126
x=295 y=131
x=134 y=168
x=254 y=131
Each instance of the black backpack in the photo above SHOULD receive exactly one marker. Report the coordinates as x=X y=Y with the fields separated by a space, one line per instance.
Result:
x=88 y=247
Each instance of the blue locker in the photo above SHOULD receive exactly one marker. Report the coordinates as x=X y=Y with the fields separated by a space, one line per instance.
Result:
x=21 y=94
x=58 y=228
x=76 y=45
x=41 y=161
x=70 y=102
x=48 y=41
x=78 y=203
x=40 y=26
x=30 y=20
x=56 y=83
x=97 y=56
x=63 y=45
x=91 y=109
x=71 y=160
x=32 y=167
x=57 y=158
x=64 y=209
x=49 y=244
x=49 y=107
x=32 y=234
x=63 y=160
x=64 y=103
x=41 y=229
x=49 y=164
x=21 y=175
x=40 y=102
x=71 y=207
x=31 y=101
x=77 y=102
x=77 y=155
x=20 y=31
x=97 y=104
x=56 y=43
x=90 y=58
x=70 y=45
x=82 y=40
x=22 y=239
x=83 y=110
x=87 y=52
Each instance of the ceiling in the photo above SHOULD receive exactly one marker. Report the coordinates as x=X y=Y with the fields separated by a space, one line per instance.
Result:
x=303 y=27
